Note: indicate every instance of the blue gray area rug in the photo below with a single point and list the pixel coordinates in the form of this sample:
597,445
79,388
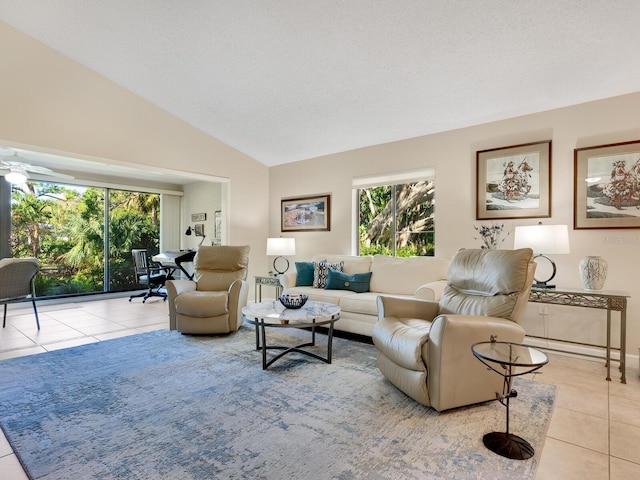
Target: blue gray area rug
161,405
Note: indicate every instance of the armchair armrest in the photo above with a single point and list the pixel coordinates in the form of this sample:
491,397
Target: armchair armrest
288,280
431,290
450,357
236,301
175,288
406,308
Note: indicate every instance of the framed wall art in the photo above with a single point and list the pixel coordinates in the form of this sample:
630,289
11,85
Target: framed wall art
606,191
514,182
303,214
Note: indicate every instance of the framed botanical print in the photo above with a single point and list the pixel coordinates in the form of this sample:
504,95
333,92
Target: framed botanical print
514,182
606,192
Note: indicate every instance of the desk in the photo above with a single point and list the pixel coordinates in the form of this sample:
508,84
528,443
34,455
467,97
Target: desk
269,281
173,261
609,300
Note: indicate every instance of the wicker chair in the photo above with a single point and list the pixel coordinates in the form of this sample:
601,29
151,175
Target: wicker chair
16,282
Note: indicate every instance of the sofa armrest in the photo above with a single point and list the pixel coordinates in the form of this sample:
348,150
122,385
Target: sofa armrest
431,290
456,377
288,280
406,308
175,288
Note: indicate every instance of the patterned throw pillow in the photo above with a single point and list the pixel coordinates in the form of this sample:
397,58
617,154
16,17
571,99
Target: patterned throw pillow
321,272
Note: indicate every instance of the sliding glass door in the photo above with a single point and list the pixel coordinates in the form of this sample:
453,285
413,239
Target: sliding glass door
134,222
83,236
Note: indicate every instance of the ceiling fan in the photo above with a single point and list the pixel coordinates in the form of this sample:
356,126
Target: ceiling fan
16,168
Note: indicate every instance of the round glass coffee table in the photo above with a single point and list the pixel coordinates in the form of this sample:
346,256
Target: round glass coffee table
509,360
274,315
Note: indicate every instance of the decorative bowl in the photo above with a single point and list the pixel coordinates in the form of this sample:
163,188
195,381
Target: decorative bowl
293,300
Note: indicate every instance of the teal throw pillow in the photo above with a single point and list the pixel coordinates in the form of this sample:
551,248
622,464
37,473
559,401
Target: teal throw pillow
304,274
357,282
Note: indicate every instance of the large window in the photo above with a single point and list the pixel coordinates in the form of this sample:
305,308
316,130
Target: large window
82,236
396,218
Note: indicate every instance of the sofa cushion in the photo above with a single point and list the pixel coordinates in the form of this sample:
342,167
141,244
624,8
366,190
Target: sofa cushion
363,303
356,282
304,274
351,263
321,272
322,295
403,276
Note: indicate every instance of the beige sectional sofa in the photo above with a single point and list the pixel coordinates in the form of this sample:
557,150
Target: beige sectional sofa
414,277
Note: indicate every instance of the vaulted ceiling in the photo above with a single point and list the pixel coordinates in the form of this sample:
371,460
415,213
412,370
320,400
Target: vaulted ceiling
287,80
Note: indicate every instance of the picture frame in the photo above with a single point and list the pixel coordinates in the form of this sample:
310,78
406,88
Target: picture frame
198,217
514,181
306,214
199,229
606,190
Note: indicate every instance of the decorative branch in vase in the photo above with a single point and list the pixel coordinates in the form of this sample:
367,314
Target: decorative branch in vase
491,235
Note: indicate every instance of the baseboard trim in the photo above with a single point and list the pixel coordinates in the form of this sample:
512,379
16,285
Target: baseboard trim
580,351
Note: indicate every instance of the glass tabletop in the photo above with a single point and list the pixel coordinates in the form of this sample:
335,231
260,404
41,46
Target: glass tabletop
513,354
274,313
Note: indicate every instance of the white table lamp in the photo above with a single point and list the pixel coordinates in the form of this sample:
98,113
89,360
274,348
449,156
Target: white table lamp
543,240
279,247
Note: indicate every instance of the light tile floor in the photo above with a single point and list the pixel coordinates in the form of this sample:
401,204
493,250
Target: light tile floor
594,432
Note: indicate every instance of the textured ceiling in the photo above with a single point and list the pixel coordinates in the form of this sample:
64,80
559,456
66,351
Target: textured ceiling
283,81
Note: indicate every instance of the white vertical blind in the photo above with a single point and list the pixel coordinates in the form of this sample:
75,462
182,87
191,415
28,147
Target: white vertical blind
170,233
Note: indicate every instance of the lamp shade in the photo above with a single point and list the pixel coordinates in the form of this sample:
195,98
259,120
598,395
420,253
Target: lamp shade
281,246
543,239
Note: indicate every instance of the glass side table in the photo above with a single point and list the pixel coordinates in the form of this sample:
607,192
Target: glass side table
509,360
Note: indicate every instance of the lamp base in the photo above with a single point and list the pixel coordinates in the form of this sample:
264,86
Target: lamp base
508,445
545,283
280,272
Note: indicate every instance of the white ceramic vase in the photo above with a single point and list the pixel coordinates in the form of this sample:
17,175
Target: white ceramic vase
593,272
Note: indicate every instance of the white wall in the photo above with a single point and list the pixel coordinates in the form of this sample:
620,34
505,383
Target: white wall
453,154
200,197
50,103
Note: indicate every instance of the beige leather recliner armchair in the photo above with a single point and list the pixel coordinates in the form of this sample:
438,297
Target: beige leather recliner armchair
424,347
213,302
